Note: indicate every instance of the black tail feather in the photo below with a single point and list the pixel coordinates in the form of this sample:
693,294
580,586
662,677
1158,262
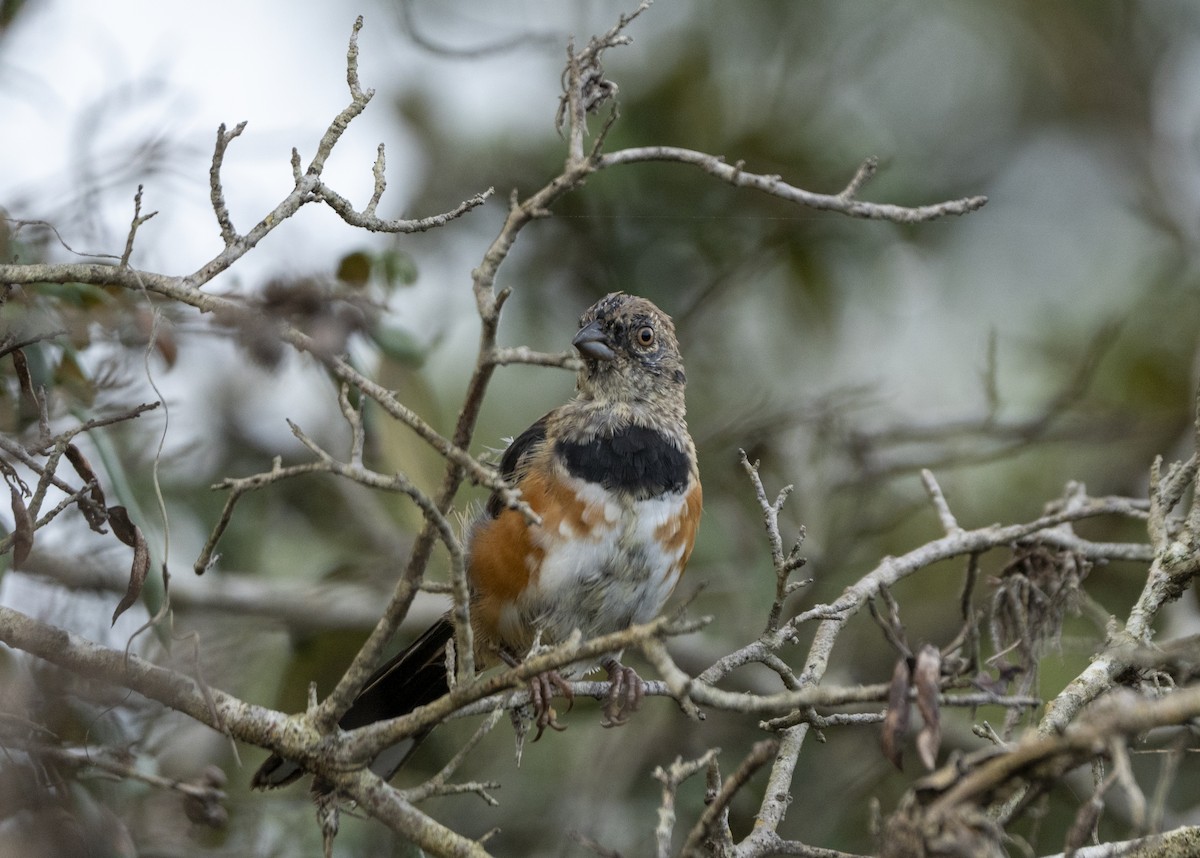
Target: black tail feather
412,678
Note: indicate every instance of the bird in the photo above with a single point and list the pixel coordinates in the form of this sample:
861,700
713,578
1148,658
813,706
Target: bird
613,478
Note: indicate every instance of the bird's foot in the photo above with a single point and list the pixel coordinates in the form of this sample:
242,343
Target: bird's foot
625,693
542,689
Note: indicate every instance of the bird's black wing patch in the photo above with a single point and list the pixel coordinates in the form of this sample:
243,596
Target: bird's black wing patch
641,461
511,461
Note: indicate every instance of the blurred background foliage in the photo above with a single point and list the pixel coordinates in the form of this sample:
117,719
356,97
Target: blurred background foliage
1050,337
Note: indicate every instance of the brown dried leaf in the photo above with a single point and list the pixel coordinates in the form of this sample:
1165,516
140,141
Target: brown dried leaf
895,721
137,572
148,325
926,674
84,468
122,527
21,365
22,528
167,347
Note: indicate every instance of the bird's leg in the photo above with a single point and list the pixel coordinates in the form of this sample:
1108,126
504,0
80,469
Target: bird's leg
625,693
542,689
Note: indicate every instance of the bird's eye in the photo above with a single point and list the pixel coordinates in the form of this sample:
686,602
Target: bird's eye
645,336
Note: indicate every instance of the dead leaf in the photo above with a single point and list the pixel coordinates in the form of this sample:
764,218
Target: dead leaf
167,348
926,674
122,527
895,721
21,365
129,533
22,529
83,468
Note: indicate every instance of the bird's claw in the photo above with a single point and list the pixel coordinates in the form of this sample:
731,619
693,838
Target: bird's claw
625,693
541,691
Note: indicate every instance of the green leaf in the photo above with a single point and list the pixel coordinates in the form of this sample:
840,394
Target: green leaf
398,268
355,269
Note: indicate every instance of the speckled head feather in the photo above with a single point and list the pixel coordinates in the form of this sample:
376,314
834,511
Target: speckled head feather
630,354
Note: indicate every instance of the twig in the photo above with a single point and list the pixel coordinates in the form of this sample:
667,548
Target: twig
437,785
216,192
864,173
670,778
776,187
1170,572
1039,756
21,223
1184,840
759,755
835,614
526,355
339,700
239,487
379,173
243,721
207,791
784,565
300,607
949,522
138,220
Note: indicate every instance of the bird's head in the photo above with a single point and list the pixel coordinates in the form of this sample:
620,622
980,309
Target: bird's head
630,353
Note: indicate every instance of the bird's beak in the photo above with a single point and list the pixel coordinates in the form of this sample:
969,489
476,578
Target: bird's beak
592,343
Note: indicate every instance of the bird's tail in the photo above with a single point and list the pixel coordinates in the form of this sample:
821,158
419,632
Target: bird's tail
409,679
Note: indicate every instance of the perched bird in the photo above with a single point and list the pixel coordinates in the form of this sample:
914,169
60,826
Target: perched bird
612,475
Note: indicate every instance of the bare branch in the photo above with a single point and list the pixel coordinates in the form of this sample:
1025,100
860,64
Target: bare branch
670,778
218,710
302,608
1040,759
1184,840
216,192
138,220
437,785
776,187
368,221
949,522
336,704
379,173
785,565
239,487
526,355
204,795
759,755
866,171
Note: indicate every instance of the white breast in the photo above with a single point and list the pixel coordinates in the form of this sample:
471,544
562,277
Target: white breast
616,574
